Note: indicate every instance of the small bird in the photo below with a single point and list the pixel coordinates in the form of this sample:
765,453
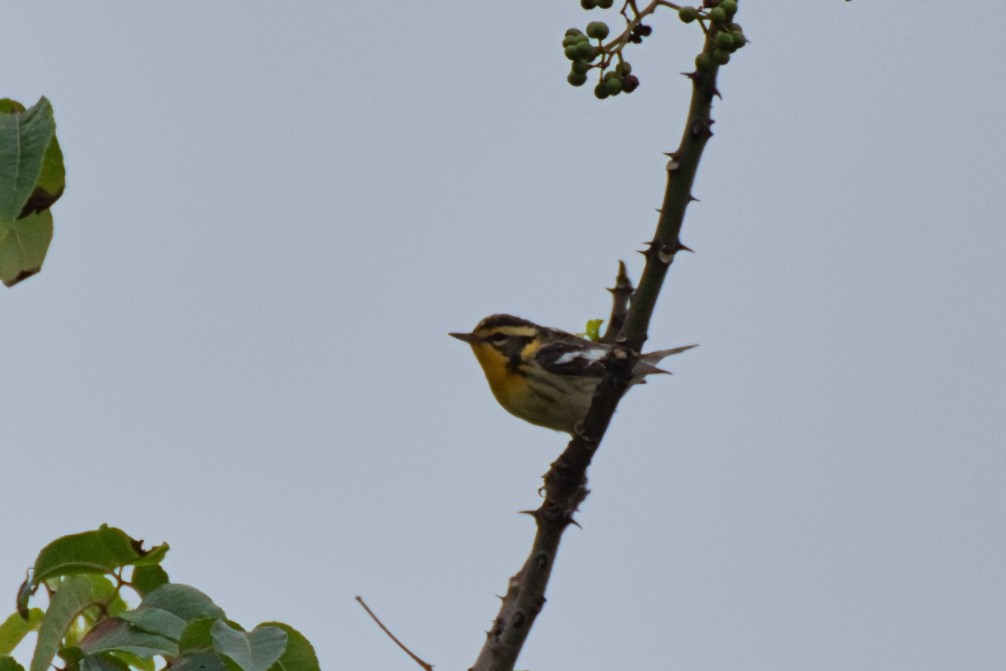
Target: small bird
543,375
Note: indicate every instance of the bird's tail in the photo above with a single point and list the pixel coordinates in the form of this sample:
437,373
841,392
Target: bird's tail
648,362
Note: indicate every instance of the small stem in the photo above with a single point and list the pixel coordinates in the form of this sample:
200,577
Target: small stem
418,660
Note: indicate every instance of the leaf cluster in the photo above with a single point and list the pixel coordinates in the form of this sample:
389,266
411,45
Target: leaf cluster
32,178
89,625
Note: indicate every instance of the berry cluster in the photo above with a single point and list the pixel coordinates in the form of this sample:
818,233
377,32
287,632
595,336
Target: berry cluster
615,81
639,31
586,49
578,49
726,37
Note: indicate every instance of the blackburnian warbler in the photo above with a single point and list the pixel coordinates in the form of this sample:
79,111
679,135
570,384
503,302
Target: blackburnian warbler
542,375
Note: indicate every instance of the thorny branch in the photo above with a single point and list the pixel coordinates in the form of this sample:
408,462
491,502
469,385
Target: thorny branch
566,481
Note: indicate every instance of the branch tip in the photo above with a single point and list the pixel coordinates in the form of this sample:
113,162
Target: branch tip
425,665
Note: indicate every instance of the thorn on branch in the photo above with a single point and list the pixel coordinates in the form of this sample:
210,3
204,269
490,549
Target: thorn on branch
702,128
621,294
665,252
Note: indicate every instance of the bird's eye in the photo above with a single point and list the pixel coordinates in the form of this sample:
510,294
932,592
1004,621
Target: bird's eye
497,337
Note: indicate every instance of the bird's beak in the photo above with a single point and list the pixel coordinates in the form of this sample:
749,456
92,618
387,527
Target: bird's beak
466,337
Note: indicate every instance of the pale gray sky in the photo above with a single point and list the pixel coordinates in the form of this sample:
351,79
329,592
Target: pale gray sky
276,211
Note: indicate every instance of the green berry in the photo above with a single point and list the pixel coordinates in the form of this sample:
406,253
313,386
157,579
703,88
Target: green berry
588,4
729,6
580,67
613,86
724,41
584,51
577,78
717,15
739,40
597,29
688,14
610,74
605,4
720,56
704,62
601,92
624,68
572,52
573,32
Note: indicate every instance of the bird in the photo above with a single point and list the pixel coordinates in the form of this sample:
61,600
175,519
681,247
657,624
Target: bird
543,375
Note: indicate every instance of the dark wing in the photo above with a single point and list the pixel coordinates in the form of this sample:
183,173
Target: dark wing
572,356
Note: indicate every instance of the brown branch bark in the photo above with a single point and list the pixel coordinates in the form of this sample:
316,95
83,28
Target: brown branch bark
566,481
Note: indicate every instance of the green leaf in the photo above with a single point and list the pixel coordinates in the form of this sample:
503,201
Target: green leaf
117,635
24,139
153,556
252,651
102,662
15,628
299,654
186,602
155,621
74,594
197,635
99,551
23,245
24,593
51,181
32,178
198,661
146,579
134,661
71,656
9,664
8,106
